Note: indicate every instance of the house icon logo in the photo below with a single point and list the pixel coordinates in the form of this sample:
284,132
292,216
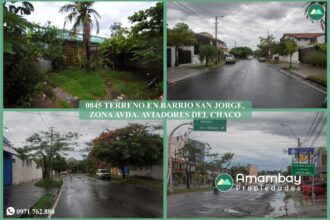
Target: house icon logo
224,182
315,12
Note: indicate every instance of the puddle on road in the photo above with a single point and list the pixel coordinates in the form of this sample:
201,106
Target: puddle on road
231,211
281,207
277,205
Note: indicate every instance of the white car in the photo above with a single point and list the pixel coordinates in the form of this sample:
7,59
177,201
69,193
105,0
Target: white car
103,174
229,58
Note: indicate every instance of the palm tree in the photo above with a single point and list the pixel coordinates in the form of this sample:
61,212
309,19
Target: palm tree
82,14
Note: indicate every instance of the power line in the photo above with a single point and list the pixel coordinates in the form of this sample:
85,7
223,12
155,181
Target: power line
43,120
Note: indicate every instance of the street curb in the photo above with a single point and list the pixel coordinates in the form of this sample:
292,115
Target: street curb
189,77
57,197
186,78
295,75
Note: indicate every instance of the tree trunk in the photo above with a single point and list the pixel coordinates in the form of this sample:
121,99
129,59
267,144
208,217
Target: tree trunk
290,61
123,172
176,55
86,36
187,179
206,61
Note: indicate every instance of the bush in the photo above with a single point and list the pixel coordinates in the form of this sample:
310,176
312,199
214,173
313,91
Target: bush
49,183
316,58
23,80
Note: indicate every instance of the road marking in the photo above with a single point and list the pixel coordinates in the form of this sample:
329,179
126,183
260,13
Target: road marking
56,202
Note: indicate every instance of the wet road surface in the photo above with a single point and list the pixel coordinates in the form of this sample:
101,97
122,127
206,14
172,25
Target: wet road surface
225,204
264,85
87,197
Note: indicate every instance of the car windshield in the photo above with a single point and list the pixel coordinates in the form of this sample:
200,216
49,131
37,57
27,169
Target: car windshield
103,171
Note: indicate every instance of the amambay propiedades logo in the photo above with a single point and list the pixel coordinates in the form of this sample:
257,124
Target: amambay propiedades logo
224,182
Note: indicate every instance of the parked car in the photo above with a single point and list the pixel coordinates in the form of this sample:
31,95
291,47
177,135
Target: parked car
229,58
103,174
319,189
262,59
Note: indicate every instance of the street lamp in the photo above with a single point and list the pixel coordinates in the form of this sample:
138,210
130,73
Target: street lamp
292,132
295,136
169,156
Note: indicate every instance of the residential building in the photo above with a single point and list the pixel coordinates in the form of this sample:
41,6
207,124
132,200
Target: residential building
17,170
189,54
207,38
320,161
305,42
252,170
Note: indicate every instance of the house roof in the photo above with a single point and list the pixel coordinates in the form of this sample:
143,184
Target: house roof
67,35
303,35
205,35
7,147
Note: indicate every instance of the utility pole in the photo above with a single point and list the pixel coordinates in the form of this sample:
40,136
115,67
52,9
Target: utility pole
51,154
268,45
235,44
216,30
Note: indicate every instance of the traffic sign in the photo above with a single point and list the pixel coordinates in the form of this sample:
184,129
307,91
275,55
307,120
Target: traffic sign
210,125
300,150
299,169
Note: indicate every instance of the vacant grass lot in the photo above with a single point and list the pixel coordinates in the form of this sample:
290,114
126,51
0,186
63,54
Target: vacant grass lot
131,85
92,85
79,82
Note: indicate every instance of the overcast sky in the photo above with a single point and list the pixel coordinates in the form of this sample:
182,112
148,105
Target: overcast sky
21,125
242,22
258,141
110,12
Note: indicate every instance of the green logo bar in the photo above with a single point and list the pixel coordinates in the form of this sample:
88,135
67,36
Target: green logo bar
224,182
315,12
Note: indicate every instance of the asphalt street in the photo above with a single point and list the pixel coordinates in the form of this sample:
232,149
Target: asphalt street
264,85
87,197
225,204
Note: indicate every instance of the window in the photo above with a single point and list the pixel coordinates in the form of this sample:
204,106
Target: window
14,161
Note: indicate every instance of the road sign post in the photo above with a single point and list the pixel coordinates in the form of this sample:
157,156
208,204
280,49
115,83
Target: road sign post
210,125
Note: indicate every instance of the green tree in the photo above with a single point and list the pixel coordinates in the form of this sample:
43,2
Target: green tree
234,170
46,145
180,35
190,154
241,52
207,53
146,38
132,145
82,14
59,163
287,47
267,46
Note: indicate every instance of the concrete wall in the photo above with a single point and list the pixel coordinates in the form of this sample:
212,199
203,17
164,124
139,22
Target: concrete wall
25,170
155,172
194,58
295,58
321,39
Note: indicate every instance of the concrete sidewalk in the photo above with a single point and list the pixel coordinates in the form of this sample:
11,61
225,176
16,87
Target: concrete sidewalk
303,70
179,73
23,196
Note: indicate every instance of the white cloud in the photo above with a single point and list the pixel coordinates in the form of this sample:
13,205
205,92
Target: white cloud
110,12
